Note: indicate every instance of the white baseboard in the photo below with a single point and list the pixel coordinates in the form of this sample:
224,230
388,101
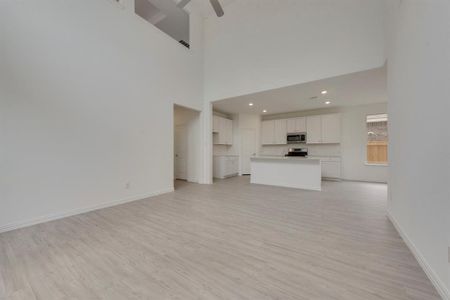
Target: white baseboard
435,280
52,217
363,181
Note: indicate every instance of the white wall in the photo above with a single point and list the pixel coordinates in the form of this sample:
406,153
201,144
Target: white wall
264,44
352,148
419,93
354,144
87,104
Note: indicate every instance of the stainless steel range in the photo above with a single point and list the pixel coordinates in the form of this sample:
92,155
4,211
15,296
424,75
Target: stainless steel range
297,152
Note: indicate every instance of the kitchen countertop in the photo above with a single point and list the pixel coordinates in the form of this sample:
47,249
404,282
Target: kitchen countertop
284,158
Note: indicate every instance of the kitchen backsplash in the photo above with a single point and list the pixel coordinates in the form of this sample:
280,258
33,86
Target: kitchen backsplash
314,150
280,150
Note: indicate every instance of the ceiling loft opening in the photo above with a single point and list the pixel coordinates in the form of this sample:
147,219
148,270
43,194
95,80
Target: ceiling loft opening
166,16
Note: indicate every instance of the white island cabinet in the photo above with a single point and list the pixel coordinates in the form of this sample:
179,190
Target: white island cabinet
294,172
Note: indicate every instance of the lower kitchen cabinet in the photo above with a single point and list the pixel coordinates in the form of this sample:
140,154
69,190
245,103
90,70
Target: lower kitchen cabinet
225,166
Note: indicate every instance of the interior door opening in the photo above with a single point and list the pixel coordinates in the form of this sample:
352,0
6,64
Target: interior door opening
186,144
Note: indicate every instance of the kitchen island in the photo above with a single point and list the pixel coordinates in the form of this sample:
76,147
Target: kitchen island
295,172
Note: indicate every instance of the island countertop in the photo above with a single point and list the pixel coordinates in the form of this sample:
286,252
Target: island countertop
285,158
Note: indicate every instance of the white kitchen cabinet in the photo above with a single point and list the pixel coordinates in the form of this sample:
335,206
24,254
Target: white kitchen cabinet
223,131
227,130
320,129
314,129
280,130
291,125
268,132
323,129
331,128
296,125
273,132
216,124
225,166
300,124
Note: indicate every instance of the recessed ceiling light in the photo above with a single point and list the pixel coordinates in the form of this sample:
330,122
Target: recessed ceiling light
264,111
328,102
324,92
250,104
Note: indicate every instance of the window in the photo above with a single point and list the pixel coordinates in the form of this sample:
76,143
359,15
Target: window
377,139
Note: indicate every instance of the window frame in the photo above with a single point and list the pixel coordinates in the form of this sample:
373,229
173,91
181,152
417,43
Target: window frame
370,163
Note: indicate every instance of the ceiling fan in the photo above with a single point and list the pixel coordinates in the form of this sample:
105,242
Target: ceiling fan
214,3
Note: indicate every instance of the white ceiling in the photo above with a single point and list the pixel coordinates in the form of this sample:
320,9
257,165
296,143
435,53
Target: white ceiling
347,90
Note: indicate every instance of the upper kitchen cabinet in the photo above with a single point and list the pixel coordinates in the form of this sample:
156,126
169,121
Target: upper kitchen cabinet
268,132
228,129
216,123
323,129
273,132
320,129
280,132
314,129
222,130
296,125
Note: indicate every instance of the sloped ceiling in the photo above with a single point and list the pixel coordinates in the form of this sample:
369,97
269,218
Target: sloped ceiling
353,89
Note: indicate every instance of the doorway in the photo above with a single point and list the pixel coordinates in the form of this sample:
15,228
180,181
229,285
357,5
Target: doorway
248,149
186,144
180,152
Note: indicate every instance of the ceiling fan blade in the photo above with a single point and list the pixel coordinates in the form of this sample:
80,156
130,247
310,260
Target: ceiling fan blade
217,7
183,3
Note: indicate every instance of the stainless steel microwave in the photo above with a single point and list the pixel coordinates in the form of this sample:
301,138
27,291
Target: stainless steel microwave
296,138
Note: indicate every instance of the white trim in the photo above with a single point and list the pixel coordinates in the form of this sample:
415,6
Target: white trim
52,217
363,181
376,164
435,280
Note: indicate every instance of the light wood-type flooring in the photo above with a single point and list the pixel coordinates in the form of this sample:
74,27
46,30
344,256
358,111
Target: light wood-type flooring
230,240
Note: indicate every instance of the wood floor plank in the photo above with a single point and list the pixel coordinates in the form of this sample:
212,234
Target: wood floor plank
230,240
